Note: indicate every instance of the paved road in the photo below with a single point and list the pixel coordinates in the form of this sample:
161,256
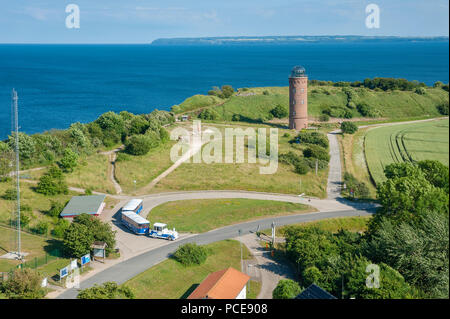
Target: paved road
132,267
334,185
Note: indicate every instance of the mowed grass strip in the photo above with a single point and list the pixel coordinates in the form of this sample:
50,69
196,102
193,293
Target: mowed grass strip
199,216
172,280
406,142
352,224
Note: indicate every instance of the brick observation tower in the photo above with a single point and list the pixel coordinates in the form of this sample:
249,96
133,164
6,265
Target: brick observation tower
298,98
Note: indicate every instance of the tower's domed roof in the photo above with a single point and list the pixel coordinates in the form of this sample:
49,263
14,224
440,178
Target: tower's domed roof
298,72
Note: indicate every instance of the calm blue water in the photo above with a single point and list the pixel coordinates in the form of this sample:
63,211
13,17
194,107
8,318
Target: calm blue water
62,84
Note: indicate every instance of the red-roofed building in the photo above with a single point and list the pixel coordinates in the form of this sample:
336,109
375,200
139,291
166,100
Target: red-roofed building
223,284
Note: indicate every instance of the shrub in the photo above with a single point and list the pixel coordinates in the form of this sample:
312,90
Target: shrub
265,92
41,228
69,160
359,189
279,112
324,118
208,114
316,151
286,289
55,209
443,108
227,91
108,290
60,228
236,117
420,91
314,138
191,254
301,168
351,105
286,135
348,127
52,182
289,158
10,194
24,284
138,145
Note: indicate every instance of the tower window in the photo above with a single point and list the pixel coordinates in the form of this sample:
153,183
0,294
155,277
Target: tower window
302,90
303,101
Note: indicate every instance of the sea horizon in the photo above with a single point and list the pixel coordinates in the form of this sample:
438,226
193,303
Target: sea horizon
59,84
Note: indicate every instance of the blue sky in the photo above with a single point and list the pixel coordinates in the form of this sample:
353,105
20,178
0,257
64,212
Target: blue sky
141,21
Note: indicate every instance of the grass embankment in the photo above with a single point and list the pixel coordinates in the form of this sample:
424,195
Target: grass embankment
35,246
353,158
246,176
406,143
353,224
172,280
199,216
142,169
91,173
392,105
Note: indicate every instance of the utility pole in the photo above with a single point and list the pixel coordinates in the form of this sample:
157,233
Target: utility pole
16,126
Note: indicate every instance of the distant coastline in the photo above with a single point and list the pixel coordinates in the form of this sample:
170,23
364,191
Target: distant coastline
291,39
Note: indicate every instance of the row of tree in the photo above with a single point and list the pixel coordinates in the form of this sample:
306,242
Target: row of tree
407,241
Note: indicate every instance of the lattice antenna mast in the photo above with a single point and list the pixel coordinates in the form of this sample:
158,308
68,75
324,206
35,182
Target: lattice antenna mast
16,130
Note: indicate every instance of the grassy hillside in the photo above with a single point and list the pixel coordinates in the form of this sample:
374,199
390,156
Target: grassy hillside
257,103
406,142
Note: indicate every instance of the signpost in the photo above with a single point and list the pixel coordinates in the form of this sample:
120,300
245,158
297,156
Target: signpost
85,259
73,264
63,272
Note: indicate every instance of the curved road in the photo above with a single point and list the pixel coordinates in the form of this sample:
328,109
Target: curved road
132,267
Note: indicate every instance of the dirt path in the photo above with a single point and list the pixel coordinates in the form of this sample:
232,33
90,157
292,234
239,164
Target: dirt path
334,184
112,155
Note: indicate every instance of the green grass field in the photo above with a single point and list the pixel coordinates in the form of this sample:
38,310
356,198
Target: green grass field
406,143
143,169
246,176
171,280
199,216
390,104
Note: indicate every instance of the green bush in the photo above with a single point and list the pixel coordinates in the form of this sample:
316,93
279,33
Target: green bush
138,145
236,117
60,228
52,182
316,151
324,118
420,91
315,138
360,189
41,228
227,91
286,289
10,194
23,284
55,209
108,290
69,160
348,128
301,168
208,114
443,108
191,254
279,112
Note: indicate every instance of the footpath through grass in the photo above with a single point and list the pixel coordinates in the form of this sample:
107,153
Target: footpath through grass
172,280
406,143
197,216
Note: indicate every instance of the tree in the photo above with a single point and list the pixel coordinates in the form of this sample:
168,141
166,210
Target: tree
10,194
208,114
27,145
443,108
108,290
41,228
191,254
78,239
24,284
286,289
69,160
348,127
279,111
101,231
420,251
138,125
227,91
316,151
436,173
138,145
52,182
60,228
311,275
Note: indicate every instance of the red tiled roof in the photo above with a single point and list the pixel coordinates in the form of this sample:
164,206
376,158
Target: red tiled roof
222,284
